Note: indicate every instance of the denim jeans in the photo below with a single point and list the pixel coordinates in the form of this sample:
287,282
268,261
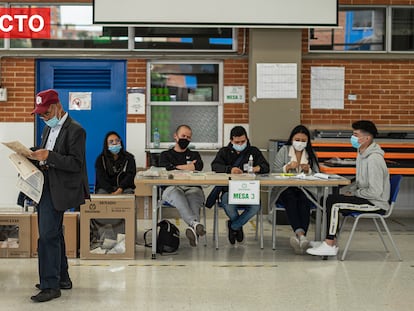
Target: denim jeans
232,211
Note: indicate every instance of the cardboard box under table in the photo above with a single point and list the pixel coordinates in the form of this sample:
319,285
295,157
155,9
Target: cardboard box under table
70,231
15,235
107,227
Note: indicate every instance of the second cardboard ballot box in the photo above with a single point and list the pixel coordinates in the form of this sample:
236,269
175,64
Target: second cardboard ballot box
70,231
107,227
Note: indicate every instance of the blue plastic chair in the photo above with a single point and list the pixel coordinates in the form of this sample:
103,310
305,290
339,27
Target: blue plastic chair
395,181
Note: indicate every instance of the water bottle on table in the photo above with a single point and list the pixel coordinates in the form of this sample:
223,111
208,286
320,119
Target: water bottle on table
156,138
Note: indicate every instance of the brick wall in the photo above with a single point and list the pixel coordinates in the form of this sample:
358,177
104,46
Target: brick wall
236,73
18,76
136,77
384,89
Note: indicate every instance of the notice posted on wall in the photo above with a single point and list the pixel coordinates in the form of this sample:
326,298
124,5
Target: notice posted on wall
80,100
136,100
277,80
327,87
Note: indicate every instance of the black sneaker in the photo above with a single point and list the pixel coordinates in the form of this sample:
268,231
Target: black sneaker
232,236
239,235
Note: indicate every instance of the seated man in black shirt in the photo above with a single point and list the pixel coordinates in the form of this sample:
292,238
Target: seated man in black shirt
186,199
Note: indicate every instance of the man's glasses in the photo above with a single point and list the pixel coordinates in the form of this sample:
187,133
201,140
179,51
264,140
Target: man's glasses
114,141
46,114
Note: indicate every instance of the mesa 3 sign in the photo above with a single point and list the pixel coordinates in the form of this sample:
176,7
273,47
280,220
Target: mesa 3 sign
244,192
25,23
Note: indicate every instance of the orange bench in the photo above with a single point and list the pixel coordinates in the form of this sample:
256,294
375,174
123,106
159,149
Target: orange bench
399,156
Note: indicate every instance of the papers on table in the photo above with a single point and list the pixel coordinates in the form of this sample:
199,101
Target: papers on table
327,176
317,176
153,172
30,178
190,175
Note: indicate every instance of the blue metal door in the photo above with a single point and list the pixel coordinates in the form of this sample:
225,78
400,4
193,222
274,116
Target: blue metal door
106,82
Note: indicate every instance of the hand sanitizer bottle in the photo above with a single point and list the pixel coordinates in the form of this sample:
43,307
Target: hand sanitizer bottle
250,165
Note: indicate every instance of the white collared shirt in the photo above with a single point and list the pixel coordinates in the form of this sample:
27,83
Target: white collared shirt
54,133
303,160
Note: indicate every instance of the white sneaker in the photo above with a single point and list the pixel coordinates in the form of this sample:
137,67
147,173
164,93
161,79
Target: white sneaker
294,242
303,243
191,236
323,250
314,243
199,228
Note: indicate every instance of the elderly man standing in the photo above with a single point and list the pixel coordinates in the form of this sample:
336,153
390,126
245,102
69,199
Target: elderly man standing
61,157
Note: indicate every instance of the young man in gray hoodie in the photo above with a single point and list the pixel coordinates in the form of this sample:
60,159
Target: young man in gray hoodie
368,194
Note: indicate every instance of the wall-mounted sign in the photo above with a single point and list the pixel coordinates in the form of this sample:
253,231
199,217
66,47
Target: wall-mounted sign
245,192
80,100
136,100
234,94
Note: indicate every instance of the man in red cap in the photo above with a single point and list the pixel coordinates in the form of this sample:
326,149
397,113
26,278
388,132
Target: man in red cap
62,159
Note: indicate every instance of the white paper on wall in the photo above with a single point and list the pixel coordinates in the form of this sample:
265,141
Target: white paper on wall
327,87
277,80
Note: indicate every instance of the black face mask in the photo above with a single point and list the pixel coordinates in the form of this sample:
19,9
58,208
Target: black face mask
183,143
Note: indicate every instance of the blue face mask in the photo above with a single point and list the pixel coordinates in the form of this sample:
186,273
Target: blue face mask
240,148
52,122
354,142
115,148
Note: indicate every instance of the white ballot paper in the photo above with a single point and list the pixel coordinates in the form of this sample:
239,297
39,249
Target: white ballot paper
30,178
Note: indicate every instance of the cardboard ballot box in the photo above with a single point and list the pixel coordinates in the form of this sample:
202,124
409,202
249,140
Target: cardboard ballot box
70,231
107,227
14,235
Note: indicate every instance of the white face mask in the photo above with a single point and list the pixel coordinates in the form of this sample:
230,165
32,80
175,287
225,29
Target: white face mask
299,145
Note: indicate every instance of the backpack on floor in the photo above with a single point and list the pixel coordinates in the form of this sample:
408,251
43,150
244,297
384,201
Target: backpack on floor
168,237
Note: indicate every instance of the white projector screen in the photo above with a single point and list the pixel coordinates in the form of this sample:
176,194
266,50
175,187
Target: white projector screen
223,13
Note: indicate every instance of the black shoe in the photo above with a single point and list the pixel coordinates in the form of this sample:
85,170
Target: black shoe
232,236
239,235
63,284
46,295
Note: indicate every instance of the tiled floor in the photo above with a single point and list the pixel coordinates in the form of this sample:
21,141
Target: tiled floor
241,277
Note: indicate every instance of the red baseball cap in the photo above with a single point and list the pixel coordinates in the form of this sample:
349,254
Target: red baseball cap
44,99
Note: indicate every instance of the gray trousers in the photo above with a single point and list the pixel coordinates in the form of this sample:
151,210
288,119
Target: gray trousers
187,200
